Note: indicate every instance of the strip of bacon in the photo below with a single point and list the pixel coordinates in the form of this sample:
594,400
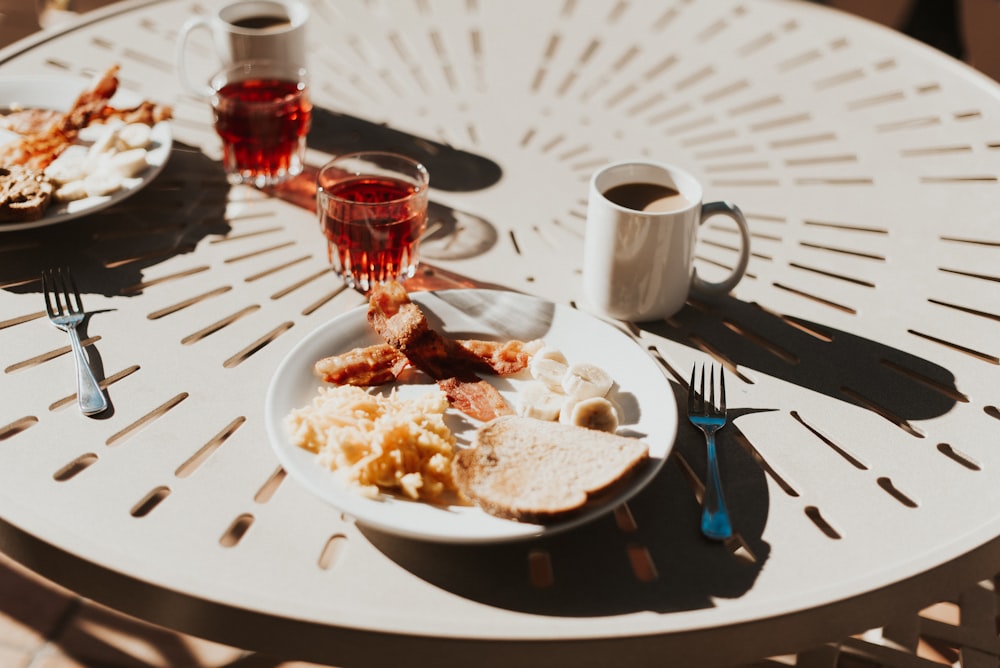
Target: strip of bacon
403,326
475,397
503,357
364,367
146,112
381,363
36,151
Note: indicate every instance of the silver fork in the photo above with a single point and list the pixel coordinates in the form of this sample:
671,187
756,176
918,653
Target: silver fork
65,309
711,417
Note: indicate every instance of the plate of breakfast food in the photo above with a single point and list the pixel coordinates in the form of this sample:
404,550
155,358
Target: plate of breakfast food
71,146
470,416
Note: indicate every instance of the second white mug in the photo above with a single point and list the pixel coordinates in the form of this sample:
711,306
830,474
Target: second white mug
247,30
642,225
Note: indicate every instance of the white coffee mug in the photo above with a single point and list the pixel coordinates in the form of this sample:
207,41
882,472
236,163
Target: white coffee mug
642,225
247,30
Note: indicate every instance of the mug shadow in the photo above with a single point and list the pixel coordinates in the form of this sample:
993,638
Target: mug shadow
897,385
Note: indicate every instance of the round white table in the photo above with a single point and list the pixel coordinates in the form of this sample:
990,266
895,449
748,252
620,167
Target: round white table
861,348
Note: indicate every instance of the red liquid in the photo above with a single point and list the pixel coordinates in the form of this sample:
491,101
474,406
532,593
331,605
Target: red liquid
263,124
373,235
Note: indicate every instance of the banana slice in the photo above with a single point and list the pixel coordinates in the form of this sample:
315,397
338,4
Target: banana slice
550,353
72,191
583,381
68,167
593,413
107,141
538,401
547,368
129,163
101,182
135,135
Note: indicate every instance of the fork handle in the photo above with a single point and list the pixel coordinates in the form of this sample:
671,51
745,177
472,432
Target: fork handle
715,522
88,392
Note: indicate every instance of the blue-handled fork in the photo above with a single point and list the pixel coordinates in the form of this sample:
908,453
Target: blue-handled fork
711,417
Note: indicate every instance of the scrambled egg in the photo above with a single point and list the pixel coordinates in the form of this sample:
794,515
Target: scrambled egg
379,442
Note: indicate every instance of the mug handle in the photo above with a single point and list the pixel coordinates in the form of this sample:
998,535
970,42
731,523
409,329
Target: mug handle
729,209
201,90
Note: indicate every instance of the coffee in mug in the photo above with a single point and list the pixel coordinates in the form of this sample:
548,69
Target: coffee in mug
263,22
653,197
642,225
272,30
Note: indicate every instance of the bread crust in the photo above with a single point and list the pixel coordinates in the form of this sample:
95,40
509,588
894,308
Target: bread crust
25,195
533,470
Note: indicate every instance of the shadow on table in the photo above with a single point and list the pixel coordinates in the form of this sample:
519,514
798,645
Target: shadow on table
593,567
451,169
451,234
895,384
653,559
108,250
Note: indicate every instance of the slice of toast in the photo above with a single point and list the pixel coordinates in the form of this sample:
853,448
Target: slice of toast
533,470
24,194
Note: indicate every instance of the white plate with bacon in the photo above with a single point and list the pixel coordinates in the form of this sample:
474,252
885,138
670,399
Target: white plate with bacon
28,104
641,390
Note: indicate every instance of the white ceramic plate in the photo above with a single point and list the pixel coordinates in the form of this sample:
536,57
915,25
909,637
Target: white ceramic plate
59,93
642,390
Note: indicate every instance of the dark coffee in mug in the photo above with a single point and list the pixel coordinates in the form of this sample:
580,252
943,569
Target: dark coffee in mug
648,197
262,22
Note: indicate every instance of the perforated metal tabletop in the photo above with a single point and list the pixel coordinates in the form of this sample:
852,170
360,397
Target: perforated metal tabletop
861,347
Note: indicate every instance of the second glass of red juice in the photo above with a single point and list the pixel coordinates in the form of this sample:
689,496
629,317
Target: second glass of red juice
372,208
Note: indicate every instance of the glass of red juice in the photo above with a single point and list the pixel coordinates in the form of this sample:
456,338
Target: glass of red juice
262,114
372,209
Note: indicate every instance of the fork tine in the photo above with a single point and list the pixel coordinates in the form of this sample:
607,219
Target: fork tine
57,299
64,289
711,391
691,399
60,292
70,282
722,390
47,292
701,393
